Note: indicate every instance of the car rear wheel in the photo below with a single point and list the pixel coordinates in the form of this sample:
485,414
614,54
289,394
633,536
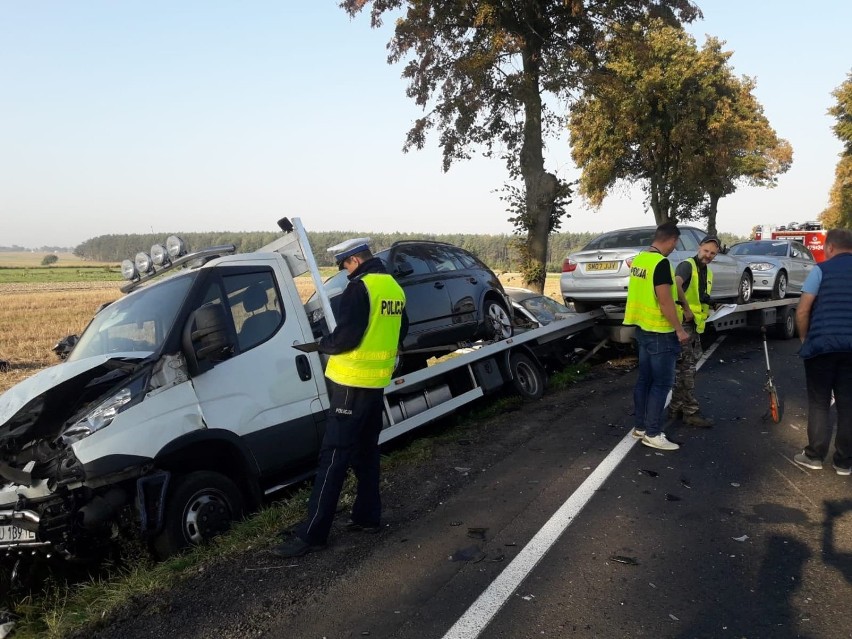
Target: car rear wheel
498,324
779,289
199,506
745,288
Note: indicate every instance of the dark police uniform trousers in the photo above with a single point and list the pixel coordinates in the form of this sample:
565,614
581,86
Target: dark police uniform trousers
351,438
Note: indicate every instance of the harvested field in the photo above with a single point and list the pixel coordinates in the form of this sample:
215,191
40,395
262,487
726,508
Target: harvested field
33,317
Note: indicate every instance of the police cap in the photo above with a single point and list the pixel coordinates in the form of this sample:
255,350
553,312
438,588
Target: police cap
348,248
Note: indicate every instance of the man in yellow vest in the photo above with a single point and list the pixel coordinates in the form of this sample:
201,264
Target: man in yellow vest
695,279
371,323
651,295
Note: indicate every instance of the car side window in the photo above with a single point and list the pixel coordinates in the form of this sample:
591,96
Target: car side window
442,259
688,241
252,302
466,260
408,255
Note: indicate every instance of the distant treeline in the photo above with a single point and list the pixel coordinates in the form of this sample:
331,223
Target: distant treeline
43,249
500,252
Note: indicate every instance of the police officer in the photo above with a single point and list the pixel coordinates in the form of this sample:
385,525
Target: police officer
695,279
651,295
362,349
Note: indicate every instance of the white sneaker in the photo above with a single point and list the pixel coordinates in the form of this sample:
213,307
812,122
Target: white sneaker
638,433
660,441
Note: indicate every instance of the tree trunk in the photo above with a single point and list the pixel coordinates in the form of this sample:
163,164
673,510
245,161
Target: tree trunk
541,186
711,214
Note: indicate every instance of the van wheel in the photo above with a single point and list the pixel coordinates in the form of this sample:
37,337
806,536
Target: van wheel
199,506
779,289
498,324
527,377
745,288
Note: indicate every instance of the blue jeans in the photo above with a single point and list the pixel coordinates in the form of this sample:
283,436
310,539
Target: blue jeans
658,354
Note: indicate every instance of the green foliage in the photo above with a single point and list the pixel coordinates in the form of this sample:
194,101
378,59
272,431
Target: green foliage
569,375
839,211
39,275
662,112
47,260
479,70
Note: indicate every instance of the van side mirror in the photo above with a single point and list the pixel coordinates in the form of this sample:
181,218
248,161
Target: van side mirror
205,338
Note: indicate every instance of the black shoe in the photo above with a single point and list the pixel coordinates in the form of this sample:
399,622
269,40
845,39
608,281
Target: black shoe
351,526
295,547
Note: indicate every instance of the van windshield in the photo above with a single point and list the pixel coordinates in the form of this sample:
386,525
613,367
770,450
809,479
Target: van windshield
137,323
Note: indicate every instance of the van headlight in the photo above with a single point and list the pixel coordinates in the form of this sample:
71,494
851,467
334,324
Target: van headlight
103,414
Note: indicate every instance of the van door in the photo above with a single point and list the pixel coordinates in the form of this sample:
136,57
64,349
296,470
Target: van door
267,391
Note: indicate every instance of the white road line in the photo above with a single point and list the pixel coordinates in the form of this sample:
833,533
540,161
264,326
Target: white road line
471,624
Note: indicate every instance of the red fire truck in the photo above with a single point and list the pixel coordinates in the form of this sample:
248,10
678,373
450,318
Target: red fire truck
811,234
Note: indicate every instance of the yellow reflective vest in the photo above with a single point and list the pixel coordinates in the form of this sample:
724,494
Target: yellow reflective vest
643,307
371,363
701,311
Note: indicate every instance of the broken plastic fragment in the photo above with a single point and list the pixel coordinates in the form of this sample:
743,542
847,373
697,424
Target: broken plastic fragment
685,482
476,532
735,484
743,538
462,470
630,561
670,497
650,473
471,553
673,617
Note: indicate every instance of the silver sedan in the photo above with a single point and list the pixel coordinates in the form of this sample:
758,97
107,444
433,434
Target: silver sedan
779,267
598,274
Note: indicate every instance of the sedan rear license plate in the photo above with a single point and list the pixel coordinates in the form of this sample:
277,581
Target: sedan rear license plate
602,266
14,534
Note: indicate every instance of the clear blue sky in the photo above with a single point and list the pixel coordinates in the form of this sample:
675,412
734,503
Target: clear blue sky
132,117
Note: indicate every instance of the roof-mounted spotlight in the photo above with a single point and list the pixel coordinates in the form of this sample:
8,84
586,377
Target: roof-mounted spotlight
143,262
175,247
128,270
160,255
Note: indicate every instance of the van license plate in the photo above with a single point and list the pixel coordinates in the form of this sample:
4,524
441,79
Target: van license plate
13,533
602,266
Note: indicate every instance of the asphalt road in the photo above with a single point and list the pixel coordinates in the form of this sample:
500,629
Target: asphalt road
724,538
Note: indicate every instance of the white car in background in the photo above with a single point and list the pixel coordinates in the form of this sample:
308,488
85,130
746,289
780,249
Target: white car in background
598,274
779,266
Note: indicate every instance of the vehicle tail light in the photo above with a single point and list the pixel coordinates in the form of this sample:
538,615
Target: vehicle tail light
568,265
629,261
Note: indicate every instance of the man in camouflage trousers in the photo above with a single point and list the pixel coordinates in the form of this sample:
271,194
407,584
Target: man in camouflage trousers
695,281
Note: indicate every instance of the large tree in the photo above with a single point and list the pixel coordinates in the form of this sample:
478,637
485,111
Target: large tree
741,147
839,211
674,118
480,70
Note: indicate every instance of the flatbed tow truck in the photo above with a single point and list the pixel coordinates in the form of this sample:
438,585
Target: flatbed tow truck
186,401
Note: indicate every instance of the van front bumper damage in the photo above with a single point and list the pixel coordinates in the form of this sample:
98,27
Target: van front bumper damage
72,515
